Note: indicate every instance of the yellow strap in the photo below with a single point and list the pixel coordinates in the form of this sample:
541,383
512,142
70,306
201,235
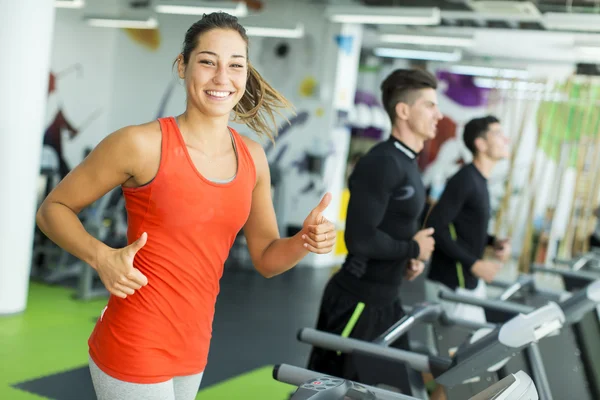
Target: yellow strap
352,321
459,268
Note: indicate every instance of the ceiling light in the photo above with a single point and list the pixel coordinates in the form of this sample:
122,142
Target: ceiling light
182,8
589,50
572,21
428,40
105,22
504,8
418,54
68,3
488,83
384,15
491,72
290,33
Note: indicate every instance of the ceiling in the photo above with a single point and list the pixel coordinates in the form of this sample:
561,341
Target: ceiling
503,14
505,29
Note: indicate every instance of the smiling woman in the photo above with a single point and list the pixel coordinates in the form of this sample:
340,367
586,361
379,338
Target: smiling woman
201,45
191,183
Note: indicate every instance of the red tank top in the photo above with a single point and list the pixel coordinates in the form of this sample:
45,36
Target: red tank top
164,329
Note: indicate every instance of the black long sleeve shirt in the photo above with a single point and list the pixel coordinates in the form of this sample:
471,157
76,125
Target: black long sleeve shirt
465,204
387,198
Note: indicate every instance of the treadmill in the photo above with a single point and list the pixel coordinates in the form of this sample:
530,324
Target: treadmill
587,329
486,352
315,386
568,367
448,334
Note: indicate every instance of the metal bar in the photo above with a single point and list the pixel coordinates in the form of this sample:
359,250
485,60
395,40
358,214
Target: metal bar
423,312
522,282
581,302
397,330
334,342
464,323
584,275
500,284
539,371
504,306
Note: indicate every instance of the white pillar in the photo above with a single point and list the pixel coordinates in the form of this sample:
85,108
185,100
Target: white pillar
26,28
339,88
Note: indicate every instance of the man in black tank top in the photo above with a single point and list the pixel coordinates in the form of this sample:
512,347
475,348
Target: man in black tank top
460,219
382,233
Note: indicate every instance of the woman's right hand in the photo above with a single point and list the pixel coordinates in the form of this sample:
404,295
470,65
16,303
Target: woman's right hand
116,269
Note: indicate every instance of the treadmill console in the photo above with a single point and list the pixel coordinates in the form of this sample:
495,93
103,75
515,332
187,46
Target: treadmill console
517,386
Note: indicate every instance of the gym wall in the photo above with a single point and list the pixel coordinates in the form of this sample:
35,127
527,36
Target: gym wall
125,77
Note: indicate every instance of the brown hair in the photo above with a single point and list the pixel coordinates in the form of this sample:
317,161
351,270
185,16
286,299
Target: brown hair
260,101
400,87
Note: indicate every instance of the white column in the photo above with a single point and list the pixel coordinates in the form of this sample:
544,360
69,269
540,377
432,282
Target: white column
26,28
338,89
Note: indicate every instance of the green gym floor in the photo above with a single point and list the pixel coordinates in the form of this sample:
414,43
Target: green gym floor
44,349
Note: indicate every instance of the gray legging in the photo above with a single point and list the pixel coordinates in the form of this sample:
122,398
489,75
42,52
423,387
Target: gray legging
178,388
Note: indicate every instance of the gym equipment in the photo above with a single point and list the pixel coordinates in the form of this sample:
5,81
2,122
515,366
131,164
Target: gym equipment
589,259
587,329
312,385
448,334
574,307
106,220
562,347
424,313
487,352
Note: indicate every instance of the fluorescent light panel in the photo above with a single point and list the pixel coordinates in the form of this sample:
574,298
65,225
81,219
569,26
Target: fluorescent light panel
589,50
68,3
572,21
104,22
235,9
294,33
490,72
418,54
384,15
427,40
488,83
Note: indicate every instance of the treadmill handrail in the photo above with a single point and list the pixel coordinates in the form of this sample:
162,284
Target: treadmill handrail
422,312
330,341
523,281
583,275
446,320
504,306
574,307
576,263
581,302
555,295
489,352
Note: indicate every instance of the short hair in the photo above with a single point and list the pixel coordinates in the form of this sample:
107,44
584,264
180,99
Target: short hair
401,85
475,128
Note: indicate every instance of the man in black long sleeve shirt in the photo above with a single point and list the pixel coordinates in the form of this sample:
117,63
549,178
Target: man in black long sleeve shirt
382,234
460,218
